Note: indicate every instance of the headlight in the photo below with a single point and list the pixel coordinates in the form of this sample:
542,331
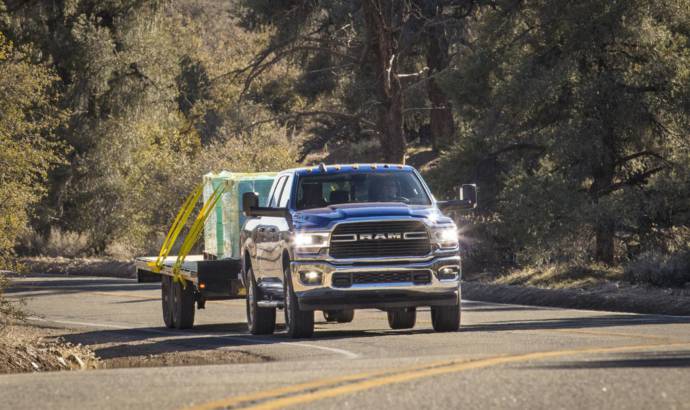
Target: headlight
310,240
447,237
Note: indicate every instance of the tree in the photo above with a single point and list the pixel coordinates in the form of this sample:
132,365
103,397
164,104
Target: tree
359,62
28,117
578,110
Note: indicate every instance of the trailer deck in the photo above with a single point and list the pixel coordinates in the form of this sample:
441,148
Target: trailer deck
214,279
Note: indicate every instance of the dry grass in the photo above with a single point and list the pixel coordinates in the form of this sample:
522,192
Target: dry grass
29,349
562,276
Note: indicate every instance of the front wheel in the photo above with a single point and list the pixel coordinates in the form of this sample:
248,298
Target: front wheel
260,321
402,318
446,318
298,323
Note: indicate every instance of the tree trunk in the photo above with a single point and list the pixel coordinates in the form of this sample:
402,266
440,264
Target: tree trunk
379,15
604,251
605,228
441,117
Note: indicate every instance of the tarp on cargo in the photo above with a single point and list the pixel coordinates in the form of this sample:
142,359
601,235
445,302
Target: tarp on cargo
222,229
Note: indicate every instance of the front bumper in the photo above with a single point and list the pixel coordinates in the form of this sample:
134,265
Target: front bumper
441,290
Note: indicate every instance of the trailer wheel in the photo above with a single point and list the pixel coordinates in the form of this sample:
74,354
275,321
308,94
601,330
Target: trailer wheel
340,316
166,299
446,318
261,321
404,318
298,323
183,305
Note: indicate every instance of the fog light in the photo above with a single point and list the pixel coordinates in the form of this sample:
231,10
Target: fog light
310,277
202,285
448,272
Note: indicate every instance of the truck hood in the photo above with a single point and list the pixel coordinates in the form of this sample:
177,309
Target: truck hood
326,217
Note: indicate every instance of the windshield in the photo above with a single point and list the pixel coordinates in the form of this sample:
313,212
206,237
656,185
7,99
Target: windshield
317,191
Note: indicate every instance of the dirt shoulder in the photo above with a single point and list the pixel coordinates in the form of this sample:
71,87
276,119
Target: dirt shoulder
31,349
592,290
28,348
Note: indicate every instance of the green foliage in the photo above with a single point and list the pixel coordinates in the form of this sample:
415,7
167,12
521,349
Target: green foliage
571,116
576,119
27,118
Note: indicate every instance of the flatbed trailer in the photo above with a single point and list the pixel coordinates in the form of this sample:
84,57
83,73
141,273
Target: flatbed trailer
203,280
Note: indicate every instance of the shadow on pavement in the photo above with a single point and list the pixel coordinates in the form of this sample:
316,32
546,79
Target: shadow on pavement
155,340
641,359
577,323
73,285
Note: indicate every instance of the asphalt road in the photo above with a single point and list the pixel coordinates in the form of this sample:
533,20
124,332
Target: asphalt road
506,356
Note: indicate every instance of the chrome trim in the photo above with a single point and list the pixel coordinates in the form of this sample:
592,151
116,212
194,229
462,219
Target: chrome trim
353,238
375,220
410,236
328,269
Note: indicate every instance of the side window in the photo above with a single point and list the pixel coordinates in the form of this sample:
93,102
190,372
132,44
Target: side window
276,192
285,195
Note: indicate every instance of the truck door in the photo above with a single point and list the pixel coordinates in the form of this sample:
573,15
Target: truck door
265,233
277,232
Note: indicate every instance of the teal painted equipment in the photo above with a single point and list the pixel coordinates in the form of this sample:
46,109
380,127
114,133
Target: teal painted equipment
222,228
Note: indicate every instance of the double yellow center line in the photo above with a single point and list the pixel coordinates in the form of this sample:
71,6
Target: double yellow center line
327,388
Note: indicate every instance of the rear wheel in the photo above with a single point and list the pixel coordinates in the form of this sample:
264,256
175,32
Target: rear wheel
404,318
166,299
298,323
183,305
260,321
446,318
340,316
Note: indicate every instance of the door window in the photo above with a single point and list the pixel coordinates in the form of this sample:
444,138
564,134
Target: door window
273,203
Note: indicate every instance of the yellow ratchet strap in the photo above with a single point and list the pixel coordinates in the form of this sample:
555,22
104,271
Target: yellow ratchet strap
195,232
180,221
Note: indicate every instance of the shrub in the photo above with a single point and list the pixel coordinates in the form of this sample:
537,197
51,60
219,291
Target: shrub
660,269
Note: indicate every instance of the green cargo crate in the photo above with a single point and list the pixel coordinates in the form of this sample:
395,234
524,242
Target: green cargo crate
222,229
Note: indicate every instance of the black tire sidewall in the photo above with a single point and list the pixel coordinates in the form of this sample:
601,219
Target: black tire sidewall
263,320
298,324
166,301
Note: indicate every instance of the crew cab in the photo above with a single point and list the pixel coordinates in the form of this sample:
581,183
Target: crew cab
343,237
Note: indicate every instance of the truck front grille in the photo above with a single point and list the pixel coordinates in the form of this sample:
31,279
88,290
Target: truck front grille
379,240
345,280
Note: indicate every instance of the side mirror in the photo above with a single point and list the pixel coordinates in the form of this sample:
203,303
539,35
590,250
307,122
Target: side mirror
249,200
468,194
467,200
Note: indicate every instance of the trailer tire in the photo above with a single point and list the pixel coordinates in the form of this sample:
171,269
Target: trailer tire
404,318
166,299
340,316
260,320
446,318
298,323
183,305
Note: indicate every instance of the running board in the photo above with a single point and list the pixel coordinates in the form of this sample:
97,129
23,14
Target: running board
270,304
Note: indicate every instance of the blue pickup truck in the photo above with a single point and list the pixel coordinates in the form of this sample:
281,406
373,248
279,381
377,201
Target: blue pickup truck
344,237
330,238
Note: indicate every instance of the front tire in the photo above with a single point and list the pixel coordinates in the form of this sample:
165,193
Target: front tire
260,321
446,318
183,305
402,318
340,316
298,323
